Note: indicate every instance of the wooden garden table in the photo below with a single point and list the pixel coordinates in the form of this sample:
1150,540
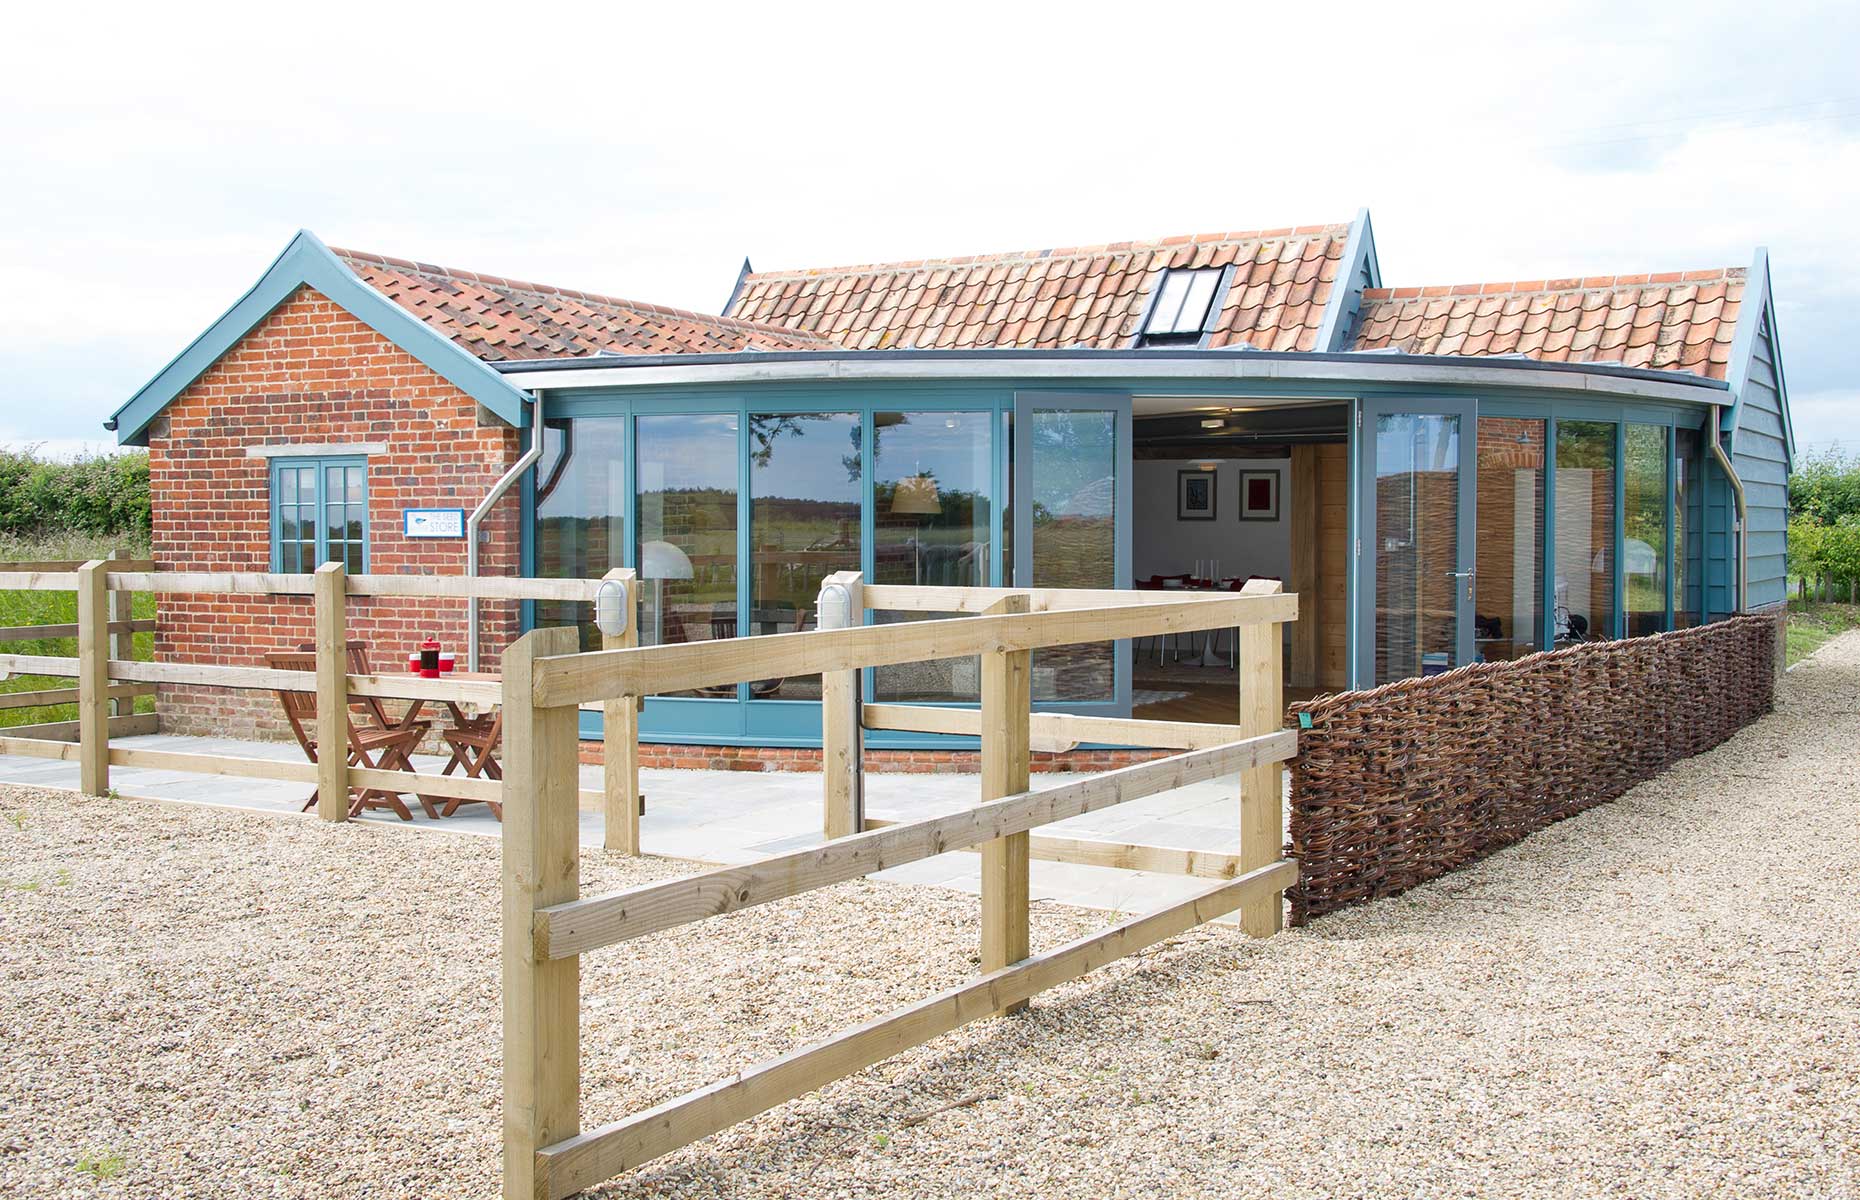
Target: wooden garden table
463,721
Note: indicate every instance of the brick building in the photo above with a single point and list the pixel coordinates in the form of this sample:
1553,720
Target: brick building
1530,463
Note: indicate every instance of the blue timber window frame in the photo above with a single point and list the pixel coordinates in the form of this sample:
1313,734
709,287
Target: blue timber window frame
779,722
307,494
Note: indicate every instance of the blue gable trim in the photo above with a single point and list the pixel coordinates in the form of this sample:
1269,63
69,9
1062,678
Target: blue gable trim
1358,270
1760,302
307,262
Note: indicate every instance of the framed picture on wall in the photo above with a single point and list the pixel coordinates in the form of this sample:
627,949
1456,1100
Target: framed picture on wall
1259,495
1194,495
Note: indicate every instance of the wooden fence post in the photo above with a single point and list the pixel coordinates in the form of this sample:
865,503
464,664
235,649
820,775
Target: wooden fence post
620,733
93,614
1262,711
123,642
1007,701
332,692
842,742
542,866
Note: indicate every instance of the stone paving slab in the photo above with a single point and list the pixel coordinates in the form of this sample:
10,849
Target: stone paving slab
738,816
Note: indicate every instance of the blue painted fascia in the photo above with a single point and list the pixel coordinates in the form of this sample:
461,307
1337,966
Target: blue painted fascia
1359,269
307,262
1760,301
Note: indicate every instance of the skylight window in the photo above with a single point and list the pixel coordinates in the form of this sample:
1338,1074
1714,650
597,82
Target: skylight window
1181,306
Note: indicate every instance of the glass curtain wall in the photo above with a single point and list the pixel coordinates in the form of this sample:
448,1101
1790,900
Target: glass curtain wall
1585,531
687,529
805,487
1644,549
930,520
580,512
1508,606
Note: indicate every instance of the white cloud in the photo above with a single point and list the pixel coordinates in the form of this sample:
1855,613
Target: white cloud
645,151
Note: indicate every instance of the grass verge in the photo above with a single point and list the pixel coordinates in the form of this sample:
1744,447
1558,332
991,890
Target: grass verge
58,608
1811,624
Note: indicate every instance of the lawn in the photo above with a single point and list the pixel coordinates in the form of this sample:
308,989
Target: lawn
56,608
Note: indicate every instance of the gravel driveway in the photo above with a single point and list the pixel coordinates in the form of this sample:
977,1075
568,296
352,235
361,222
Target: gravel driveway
1660,997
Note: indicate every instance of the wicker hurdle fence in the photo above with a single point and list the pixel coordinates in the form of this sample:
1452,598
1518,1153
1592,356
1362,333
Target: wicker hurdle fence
1403,783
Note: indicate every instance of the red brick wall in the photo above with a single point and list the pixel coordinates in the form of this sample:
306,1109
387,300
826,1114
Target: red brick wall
313,374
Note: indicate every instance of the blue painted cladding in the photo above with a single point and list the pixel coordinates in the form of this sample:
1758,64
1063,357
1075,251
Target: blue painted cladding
1760,451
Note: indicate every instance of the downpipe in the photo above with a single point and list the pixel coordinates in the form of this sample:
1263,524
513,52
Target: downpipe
478,514
1737,493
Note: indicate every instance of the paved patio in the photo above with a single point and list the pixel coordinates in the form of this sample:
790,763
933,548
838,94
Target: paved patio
737,816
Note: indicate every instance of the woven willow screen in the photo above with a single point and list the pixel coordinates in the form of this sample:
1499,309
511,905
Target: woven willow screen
1399,785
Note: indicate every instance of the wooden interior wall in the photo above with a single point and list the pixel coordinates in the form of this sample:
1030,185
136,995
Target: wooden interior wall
1302,665
1332,567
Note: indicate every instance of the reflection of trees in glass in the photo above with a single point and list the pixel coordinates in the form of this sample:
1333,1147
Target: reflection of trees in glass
765,429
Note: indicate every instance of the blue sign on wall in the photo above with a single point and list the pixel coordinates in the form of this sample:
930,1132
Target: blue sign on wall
433,522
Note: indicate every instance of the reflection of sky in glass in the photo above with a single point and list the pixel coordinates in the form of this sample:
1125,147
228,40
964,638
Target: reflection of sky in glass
1417,442
1074,461
685,451
924,444
806,456
590,483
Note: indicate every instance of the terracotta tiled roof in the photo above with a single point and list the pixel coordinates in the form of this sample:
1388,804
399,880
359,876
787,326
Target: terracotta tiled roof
1678,322
1079,297
500,319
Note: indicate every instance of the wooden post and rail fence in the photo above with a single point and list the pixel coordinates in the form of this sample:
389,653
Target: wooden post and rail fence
106,671
548,924
546,681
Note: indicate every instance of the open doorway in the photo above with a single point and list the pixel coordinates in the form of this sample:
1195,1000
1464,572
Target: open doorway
1229,490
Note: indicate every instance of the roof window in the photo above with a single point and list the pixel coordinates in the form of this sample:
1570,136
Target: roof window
1182,303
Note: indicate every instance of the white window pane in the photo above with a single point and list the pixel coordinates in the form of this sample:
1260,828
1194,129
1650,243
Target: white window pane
1168,303
354,485
287,487
1195,308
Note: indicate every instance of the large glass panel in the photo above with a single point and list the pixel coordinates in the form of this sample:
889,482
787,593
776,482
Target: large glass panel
687,529
1643,553
1686,526
1508,609
1073,464
931,519
804,488
1585,531
580,512
1417,544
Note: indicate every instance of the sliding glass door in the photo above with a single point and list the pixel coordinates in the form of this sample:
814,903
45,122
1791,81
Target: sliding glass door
1071,515
1416,573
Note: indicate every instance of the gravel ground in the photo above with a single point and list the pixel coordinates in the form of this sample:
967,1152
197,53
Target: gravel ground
1657,998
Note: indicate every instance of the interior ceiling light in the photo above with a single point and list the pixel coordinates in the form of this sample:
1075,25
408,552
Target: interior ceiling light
1213,422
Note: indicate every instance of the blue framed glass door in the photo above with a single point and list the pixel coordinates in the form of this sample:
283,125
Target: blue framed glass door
1071,513
1416,492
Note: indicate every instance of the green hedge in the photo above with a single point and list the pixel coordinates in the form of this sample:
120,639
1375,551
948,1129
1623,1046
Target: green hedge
98,495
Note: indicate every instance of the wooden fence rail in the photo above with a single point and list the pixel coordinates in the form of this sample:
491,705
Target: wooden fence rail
548,925
106,673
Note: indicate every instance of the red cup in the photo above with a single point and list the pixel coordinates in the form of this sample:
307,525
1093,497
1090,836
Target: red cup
448,661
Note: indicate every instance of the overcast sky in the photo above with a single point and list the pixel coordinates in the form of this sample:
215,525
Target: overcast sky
156,161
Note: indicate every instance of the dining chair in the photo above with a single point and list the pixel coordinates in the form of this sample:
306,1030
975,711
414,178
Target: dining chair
475,749
357,655
378,749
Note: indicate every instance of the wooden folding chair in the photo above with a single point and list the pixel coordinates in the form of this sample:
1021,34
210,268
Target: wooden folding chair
357,653
474,747
381,749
